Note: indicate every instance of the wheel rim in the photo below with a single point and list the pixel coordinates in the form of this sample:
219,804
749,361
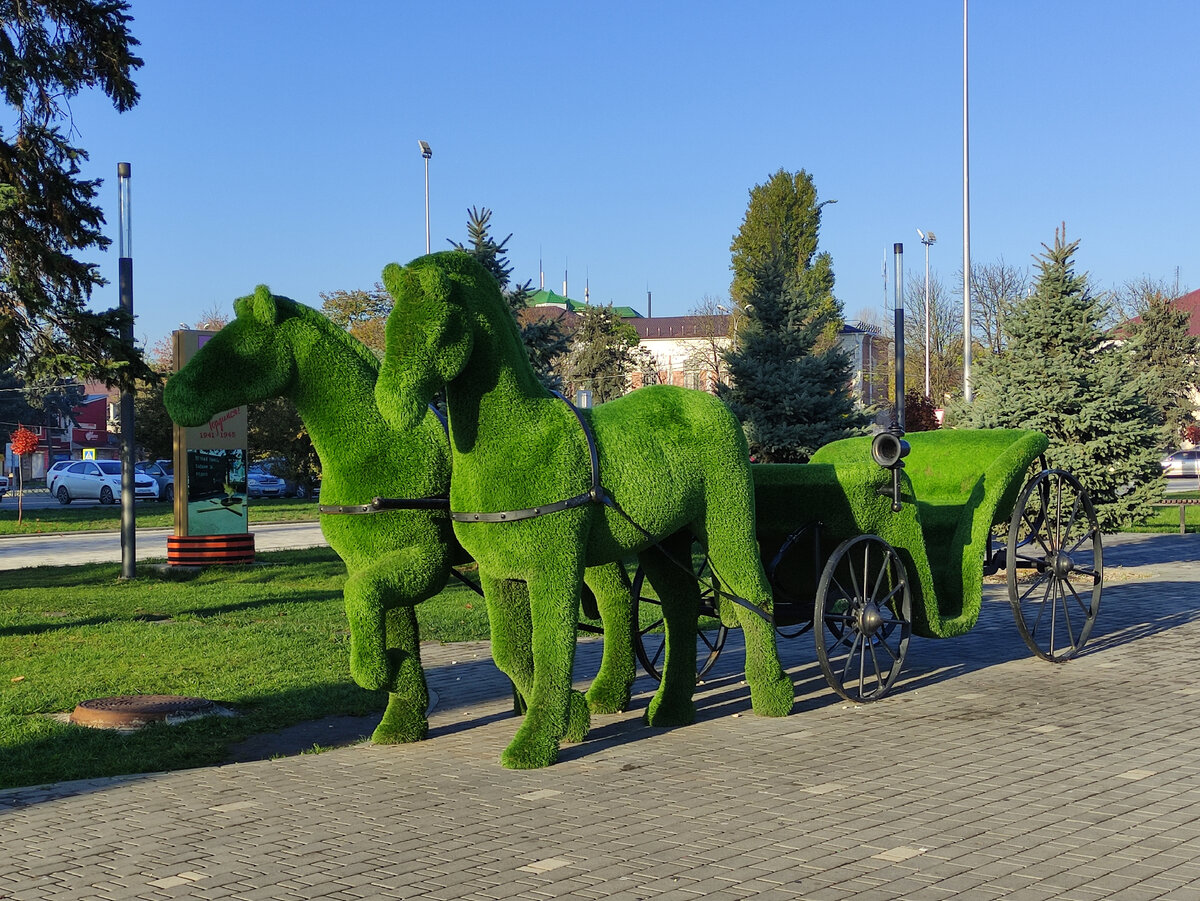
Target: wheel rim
63,495
1055,565
791,573
649,639
863,618
106,495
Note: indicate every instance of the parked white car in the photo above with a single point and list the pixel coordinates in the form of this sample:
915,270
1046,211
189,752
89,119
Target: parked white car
97,480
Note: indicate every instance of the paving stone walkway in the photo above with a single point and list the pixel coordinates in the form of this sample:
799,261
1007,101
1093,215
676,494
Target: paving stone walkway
986,774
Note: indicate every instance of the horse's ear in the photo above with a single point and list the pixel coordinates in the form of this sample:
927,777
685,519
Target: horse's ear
262,306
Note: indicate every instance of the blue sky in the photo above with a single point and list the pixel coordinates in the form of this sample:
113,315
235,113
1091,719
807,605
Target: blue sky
276,142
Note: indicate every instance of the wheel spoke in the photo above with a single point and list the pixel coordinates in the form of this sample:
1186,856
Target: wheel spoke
1042,607
1067,611
1033,585
653,627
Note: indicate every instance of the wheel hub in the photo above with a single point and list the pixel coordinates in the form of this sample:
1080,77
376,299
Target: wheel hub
870,620
1063,565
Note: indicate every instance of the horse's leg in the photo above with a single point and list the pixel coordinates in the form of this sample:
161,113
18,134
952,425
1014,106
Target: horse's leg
379,601
679,594
512,630
363,595
733,553
610,690
405,718
512,649
555,711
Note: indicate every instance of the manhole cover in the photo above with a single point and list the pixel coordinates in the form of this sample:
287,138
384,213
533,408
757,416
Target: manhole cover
133,711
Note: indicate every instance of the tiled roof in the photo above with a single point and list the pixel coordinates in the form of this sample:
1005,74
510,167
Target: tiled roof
1189,302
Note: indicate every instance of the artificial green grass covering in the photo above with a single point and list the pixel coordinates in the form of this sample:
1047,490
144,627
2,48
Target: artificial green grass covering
964,480
846,500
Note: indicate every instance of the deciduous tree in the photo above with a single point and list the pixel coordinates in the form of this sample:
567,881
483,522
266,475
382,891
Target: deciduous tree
602,355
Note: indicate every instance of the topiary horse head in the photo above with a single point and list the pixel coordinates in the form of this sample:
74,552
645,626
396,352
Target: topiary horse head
276,347
672,463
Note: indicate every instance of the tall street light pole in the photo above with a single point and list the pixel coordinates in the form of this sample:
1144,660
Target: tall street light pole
927,238
125,299
427,154
967,392
898,250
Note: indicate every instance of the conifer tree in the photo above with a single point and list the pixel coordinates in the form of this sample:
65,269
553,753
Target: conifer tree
789,380
49,52
1164,353
1061,375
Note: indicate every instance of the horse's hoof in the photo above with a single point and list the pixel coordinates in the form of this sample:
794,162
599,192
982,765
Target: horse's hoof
609,697
774,698
664,713
528,755
579,720
400,730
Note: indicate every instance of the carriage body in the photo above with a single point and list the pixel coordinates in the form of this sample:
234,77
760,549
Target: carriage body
971,502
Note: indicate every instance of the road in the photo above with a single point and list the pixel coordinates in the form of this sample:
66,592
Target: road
61,548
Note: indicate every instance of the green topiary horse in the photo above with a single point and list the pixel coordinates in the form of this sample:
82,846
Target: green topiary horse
673,460
276,347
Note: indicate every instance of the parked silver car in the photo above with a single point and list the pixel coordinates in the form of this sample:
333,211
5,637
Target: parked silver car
1182,463
97,480
162,473
260,483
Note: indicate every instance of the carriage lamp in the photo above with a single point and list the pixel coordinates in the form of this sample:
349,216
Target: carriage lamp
889,449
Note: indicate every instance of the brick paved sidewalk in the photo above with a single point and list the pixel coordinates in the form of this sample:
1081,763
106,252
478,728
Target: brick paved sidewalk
986,774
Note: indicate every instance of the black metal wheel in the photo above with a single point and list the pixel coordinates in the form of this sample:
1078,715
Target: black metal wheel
649,638
64,496
863,618
106,495
170,493
1055,565
792,574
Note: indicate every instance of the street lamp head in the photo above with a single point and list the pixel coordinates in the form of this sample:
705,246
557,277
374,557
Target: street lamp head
921,235
927,238
425,151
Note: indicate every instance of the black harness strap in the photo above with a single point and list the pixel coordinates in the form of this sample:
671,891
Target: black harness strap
380,504
594,495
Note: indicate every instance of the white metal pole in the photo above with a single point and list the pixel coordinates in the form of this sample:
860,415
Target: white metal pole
926,243
967,392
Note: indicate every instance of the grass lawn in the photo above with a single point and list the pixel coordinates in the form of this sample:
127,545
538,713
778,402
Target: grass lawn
1166,519
269,641
86,516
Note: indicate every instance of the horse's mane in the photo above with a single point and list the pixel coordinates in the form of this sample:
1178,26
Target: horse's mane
322,323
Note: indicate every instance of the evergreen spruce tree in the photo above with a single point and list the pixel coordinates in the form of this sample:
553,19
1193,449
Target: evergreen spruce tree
1165,354
544,340
1060,374
789,380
